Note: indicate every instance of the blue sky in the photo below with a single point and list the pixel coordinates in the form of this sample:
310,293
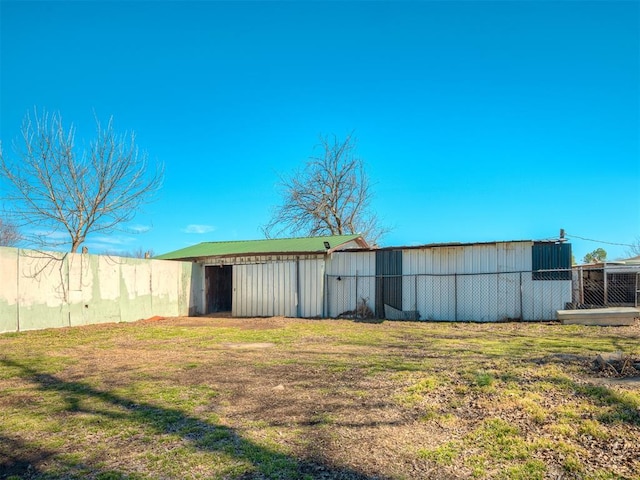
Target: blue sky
478,121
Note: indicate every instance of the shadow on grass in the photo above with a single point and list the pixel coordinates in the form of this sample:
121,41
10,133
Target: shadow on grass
621,408
20,459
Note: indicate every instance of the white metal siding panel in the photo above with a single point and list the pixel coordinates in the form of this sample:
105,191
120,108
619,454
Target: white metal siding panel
476,297
357,271
489,297
237,292
264,289
483,258
514,256
508,296
366,291
274,291
311,282
261,299
346,294
245,285
266,308
541,298
436,297
350,263
510,258
285,301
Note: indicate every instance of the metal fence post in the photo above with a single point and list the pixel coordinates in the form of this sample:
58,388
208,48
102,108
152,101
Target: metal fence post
415,294
356,294
455,292
325,302
521,305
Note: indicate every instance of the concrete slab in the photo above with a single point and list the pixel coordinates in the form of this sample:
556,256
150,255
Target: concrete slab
614,316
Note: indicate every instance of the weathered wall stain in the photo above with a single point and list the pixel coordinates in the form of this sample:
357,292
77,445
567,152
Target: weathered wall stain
41,289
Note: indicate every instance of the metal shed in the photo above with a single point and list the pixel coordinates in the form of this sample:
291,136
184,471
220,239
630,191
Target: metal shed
492,281
272,277
341,276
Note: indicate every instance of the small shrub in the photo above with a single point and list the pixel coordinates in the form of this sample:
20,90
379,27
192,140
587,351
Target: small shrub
593,429
445,454
483,379
572,464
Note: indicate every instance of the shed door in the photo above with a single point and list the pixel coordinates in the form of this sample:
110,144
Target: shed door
218,281
265,290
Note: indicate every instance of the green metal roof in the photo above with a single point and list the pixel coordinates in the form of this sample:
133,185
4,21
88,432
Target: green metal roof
251,247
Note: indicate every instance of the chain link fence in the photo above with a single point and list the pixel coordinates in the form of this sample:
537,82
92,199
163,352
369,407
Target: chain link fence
608,286
482,297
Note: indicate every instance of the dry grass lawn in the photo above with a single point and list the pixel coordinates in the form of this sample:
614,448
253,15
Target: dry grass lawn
328,399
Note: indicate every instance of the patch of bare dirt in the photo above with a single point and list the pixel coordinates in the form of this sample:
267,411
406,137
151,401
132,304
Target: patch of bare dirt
217,320
248,346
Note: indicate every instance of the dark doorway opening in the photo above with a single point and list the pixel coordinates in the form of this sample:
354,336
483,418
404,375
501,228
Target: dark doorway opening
219,281
388,280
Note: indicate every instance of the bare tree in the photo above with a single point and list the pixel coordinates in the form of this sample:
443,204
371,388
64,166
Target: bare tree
9,234
140,253
634,248
137,253
61,190
331,195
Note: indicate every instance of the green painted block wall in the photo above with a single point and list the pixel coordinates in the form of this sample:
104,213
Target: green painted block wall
51,289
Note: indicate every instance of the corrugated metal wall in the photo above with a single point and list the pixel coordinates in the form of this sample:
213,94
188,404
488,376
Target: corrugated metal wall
290,288
481,258
311,287
484,282
551,256
388,280
350,281
541,298
442,290
264,289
